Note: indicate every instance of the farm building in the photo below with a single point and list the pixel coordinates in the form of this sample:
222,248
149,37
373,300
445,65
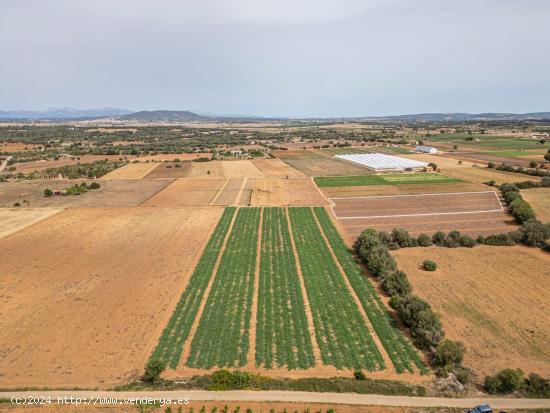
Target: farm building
382,163
425,149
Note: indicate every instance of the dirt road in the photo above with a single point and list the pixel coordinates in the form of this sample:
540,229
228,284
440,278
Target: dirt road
289,396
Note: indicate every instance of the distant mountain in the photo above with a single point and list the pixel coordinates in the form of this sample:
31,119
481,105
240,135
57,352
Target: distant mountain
63,113
460,117
163,116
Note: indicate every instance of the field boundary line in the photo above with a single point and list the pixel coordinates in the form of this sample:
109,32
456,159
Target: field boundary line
412,195
381,349
307,306
329,202
251,356
213,201
191,335
158,192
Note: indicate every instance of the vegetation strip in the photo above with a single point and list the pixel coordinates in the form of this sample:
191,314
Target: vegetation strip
390,179
170,346
222,338
282,336
400,351
342,336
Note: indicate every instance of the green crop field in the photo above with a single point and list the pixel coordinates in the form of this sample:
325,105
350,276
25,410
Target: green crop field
222,337
345,150
282,336
400,351
342,335
514,154
390,179
171,342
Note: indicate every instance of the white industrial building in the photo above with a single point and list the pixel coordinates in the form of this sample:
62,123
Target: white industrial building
383,163
425,149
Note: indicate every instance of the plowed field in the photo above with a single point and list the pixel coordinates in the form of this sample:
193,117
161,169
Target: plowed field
187,192
277,168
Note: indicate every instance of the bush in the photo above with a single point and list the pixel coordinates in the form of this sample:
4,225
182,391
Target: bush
491,165
521,211
499,240
153,370
429,265
463,375
439,238
401,237
545,182
453,239
48,192
359,375
536,386
534,233
449,354
433,166
227,380
504,382
396,283
466,241
424,240
94,185
490,183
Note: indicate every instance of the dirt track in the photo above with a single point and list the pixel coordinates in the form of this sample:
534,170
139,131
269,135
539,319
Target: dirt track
86,292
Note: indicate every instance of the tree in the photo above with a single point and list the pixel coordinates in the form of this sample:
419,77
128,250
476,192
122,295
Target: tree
433,166
439,238
95,185
48,192
153,370
396,283
491,165
521,211
359,375
429,265
505,381
424,240
449,354
533,164
534,233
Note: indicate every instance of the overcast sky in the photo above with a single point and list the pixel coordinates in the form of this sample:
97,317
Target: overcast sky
277,57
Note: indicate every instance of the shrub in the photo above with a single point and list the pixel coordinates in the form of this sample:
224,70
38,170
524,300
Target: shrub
467,241
359,375
449,353
439,238
396,283
463,375
401,237
429,265
453,239
505,381
521,211
490,183
499,240
537,386
433,166
491,165
48,192
153,370
545,182
534,233
94,185
424,240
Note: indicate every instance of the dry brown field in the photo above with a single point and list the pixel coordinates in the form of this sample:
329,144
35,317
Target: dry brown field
276,168
284,192
441,161
212,169
493,299
475,213
131,171
15,219
116,193
169,170
482,175
103,283
404,189
17,146
485,158
229,193
241,169
312,164
539,198
161,157
187,192
28,167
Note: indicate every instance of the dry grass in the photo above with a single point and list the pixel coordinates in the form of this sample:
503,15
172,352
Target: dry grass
131,171
485,174
241,169
493,299
15,219
187,192
539,198
277,169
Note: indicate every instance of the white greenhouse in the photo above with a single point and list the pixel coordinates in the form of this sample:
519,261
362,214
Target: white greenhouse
380,162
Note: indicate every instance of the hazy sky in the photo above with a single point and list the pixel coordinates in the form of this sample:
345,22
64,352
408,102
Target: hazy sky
277,57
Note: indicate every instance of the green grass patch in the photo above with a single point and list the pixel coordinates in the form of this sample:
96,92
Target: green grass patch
222,337
282,335
391,179
170,345
341,332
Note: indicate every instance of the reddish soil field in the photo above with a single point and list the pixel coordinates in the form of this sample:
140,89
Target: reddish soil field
86,292
424,214
15,219
187,192
171,156
495,300
17,146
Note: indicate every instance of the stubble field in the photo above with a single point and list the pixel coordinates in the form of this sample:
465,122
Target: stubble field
136,170
539,199
493,299
15,219
87,310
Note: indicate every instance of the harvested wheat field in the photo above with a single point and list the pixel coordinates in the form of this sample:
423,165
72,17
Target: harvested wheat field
229,193
103,282
241,169
170,170
162,157
483,175
212,169
539,198
285,192
187,192
15,219
401,189
115,193
277,168
131,171
311,163
493,299
440,160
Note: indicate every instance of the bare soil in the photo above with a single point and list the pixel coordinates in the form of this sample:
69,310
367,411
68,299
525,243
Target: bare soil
170,170
229,194
277,169
485,158
241,169
116,193
493,299
85,294
131,171
187,192
15,219
375,190
539,199
285,192
486,174
311,163
212,169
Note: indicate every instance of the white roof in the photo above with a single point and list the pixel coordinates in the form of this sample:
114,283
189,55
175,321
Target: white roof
380,161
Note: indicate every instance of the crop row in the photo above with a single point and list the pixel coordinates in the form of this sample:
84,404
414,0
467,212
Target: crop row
222,337
170,345
342,335
389,179
400,351
282,336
